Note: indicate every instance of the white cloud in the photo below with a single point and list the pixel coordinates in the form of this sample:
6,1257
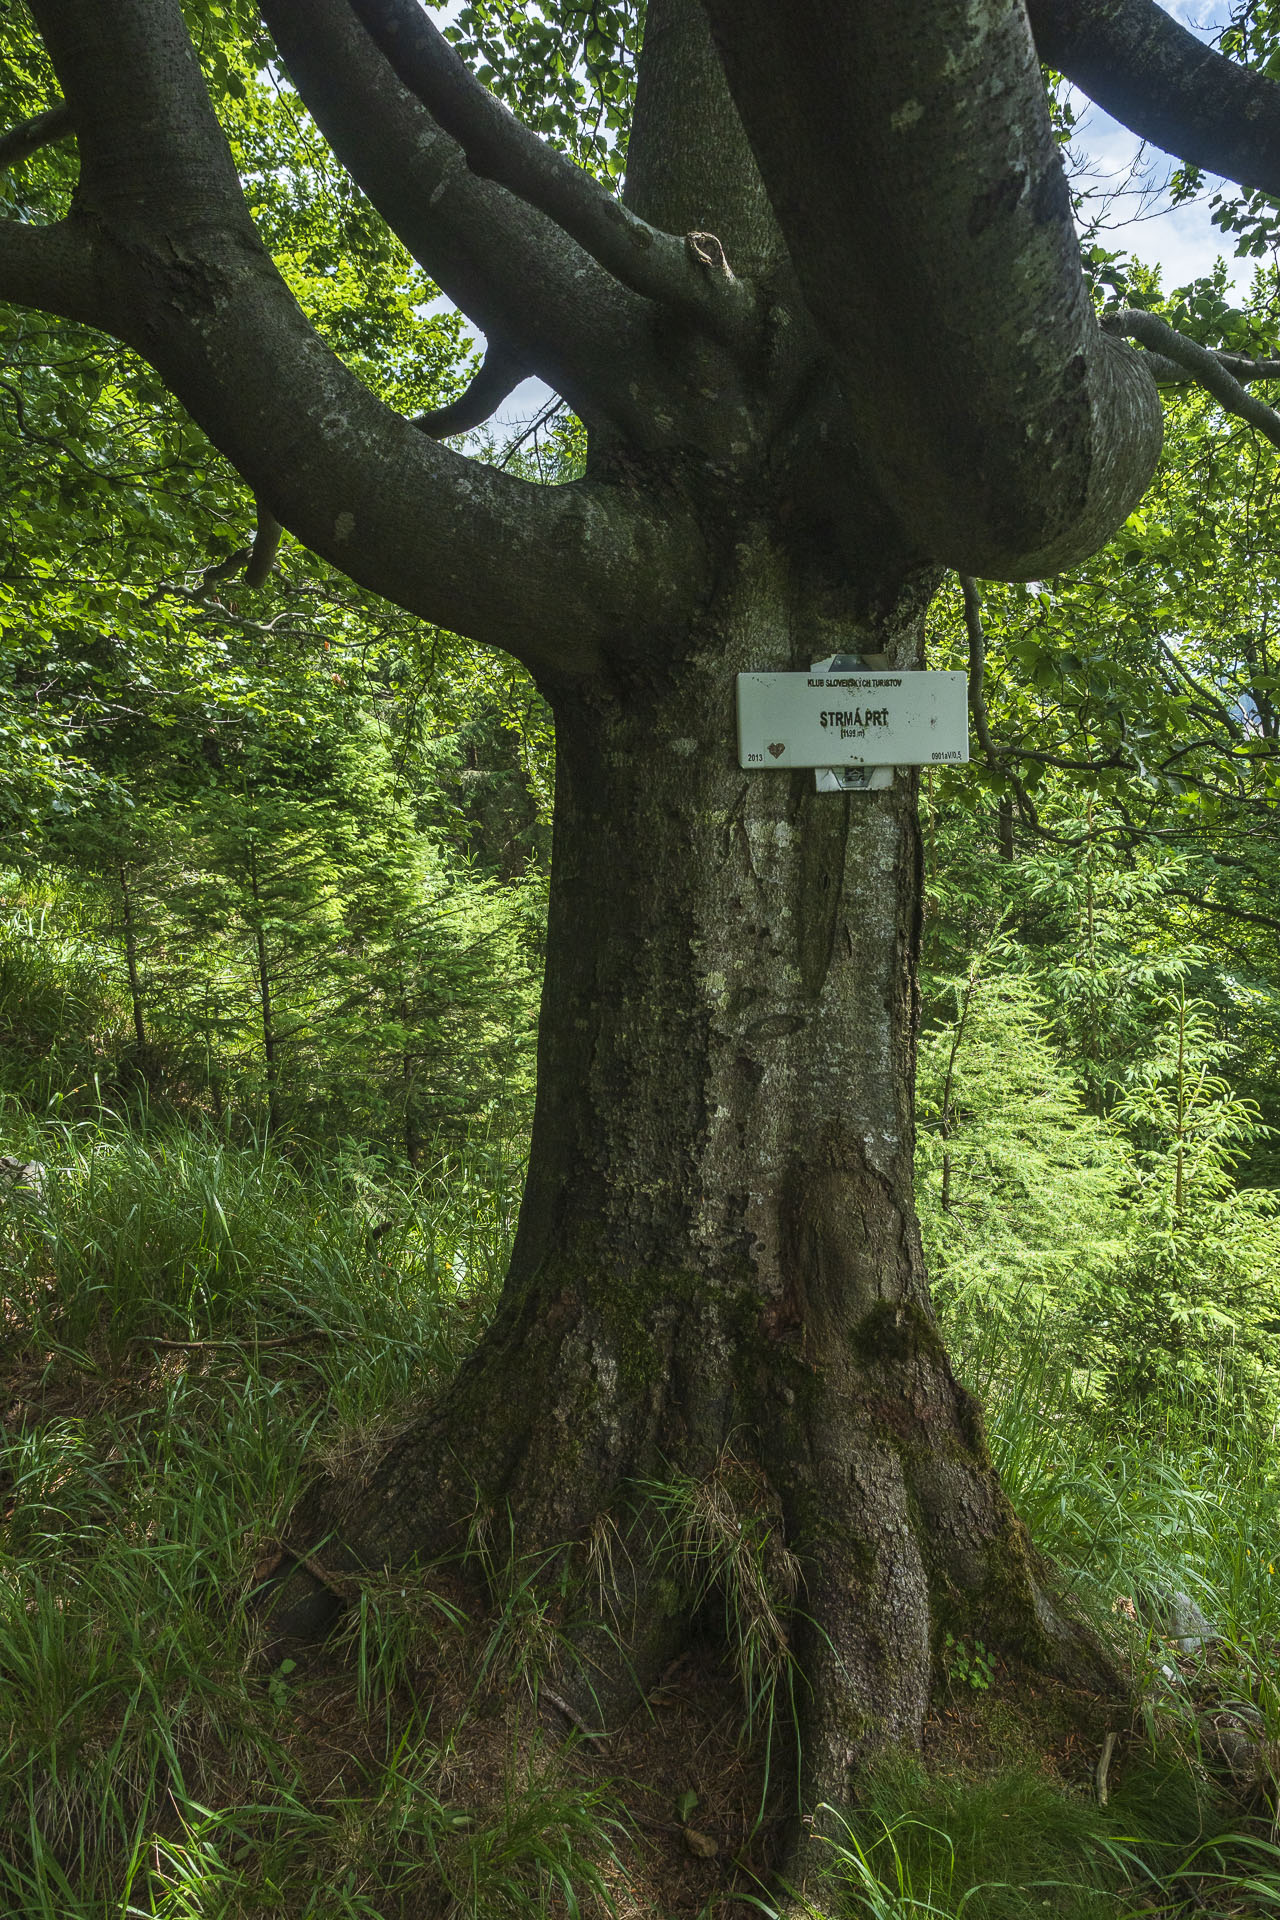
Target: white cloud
1182,241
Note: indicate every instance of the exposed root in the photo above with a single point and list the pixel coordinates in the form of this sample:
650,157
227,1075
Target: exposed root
830,1575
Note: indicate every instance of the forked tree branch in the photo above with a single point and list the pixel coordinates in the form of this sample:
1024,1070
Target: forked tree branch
41,130
1160,81
649,261
510,269
500,374
1207,702
49,267
930,227
1211,370
167,252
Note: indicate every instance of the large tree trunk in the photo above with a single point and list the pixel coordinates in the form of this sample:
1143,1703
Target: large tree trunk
718,1243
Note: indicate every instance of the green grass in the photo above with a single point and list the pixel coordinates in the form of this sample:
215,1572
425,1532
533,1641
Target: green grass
1016,1846
61,1011
143,1744
193,1321
179,1234
535,1854
1133,1511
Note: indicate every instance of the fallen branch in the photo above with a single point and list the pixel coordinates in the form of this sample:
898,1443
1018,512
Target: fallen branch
343,1584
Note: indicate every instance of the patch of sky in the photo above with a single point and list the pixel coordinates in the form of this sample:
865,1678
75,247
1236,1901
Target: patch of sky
1128,184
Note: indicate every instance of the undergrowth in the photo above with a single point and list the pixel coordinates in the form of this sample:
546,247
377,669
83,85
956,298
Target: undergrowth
190,1325
194,1321
1014,1846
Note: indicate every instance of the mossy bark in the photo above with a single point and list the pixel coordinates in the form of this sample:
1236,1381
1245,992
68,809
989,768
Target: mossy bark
718,1244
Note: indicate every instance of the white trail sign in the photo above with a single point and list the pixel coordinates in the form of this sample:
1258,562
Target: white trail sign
868,719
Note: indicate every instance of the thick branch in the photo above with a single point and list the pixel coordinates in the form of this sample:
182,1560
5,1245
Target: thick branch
506,266
1164,84
40,131
49,267
556,575
266,545
1209,369
499,375
707,180
642,257
910,160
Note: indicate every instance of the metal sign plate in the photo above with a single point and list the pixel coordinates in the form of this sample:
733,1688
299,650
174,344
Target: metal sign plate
874,719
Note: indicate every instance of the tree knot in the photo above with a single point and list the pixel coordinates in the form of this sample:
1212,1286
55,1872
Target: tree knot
705,249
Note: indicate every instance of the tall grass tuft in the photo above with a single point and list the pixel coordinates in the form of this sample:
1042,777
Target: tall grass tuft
210,1318
193,1321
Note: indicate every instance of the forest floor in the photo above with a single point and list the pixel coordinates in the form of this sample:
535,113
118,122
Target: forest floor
192,1325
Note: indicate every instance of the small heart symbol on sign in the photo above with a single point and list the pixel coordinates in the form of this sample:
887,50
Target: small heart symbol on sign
776,747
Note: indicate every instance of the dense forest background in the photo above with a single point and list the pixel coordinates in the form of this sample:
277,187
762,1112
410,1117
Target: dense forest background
272,891
275,860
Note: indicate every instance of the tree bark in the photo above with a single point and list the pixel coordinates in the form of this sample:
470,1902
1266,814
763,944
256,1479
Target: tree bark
131,959
270,1052
718,1247
1155,77
1007,437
